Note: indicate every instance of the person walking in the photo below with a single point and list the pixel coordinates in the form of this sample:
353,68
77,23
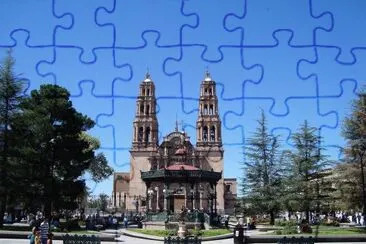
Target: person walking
44,229
32,236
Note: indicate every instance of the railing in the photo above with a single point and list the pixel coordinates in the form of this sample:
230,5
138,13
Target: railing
185,240
297,240
80,239
162,216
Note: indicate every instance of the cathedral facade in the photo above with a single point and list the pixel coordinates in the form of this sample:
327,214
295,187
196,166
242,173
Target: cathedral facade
174,173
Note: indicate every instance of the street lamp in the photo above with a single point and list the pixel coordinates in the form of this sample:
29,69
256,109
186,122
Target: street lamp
192,195
150,193
157,198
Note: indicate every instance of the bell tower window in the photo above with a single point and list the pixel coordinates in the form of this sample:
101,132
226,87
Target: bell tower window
148,91
211,109
142,109
212,133
147,109
205,109
205,133
140,134
147,134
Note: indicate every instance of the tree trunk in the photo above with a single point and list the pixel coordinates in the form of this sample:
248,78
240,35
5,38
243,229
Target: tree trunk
307,215
272,220
2,211
47,209
289,214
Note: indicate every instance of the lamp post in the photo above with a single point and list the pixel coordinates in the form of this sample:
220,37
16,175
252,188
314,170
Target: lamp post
192,196
157,198
150,193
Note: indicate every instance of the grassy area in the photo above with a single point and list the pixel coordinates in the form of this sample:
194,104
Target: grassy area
27,228
164,233
161,233
215,232
324,230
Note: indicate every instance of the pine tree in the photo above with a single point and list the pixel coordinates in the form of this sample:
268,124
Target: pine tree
51,148
354,131
11,88
308,165
262,172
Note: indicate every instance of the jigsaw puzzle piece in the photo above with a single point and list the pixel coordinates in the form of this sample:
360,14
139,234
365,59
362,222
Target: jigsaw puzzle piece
339,105
149,57
347,30
84,32
236,123
100,187
229,74
261,18
37,18
113,120
95,106
169,113
280,79
27,59
210,31
103,71
160,16
328,72
287,124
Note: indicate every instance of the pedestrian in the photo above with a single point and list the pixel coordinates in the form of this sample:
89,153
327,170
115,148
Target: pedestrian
32,236
125,221
49,238
44,229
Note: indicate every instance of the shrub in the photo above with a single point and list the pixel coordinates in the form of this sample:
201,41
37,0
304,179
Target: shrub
70,225
195,233
289,228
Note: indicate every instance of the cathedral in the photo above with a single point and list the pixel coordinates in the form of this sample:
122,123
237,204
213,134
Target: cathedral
174,173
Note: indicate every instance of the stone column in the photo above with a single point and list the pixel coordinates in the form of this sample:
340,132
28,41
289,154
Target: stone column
201,198
215,197
157,198
186,195
147,197
166,197
194,196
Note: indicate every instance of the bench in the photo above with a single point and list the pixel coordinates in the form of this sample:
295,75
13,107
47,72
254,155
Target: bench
80,239
297,240
185,240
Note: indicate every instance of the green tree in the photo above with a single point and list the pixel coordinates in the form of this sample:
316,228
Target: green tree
100,203
99,168
11,88
262,172
308,163
354,131
51,147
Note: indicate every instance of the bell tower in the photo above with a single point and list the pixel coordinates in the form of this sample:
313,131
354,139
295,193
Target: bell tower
208,129
208,125
145,125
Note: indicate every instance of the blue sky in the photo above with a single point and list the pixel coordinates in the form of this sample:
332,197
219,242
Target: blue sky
296,60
